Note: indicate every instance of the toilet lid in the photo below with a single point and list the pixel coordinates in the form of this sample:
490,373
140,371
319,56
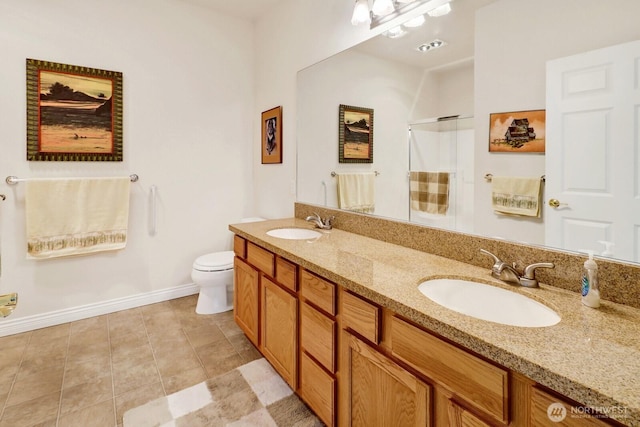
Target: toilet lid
214,261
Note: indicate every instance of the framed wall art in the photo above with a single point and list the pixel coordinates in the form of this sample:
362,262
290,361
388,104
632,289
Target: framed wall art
74,113
355,134
517,132
271,145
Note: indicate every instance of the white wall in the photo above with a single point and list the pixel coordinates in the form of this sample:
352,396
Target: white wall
188,110
292,36
510,76
358,79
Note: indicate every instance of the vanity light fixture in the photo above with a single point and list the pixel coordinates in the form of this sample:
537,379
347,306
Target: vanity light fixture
440,10
378,12
426,47
361,13
382,7
395,32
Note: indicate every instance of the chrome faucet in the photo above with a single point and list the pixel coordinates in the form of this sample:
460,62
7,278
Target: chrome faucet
324,224
508,273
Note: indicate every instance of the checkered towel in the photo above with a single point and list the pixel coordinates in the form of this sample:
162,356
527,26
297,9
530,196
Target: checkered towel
430,192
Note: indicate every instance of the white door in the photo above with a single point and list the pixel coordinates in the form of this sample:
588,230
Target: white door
593,151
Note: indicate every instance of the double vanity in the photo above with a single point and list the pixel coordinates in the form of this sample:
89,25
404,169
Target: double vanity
369,332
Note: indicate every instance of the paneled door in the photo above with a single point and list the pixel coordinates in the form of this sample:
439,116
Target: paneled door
593,151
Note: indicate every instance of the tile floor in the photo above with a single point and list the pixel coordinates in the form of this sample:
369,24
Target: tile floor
88,373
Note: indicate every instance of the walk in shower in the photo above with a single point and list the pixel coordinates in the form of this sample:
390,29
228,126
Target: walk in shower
441,159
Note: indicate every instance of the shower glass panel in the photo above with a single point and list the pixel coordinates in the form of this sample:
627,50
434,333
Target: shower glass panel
446,146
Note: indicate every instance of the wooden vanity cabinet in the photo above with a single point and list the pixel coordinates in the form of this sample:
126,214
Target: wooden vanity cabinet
380,392
358,364
246,299
266,306
318,355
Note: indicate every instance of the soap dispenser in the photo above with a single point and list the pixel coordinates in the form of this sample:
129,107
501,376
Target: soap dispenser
590,290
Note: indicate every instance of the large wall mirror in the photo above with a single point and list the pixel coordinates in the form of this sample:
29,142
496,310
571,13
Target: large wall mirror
495,60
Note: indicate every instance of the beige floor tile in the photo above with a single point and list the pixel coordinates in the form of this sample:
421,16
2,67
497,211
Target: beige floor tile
79,352
52,333
173,363
93,324
86,370
99,415
87,394
89,372
156,308
18,341
10,361
165,322
204,335
229,328
183,380
31,412
36,385
128,376
136,351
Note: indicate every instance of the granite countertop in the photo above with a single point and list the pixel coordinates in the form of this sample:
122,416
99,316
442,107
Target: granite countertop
591,356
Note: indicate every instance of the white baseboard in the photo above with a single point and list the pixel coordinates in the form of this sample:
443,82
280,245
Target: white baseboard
52,318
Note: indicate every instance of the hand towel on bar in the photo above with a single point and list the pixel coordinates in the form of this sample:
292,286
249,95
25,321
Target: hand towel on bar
356,192
76,216
514,195
429,192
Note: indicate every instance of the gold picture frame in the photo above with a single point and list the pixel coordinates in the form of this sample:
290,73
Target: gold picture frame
74,113
271,142
355,134
517,132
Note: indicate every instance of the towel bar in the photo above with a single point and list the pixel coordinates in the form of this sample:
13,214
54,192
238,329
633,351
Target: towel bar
489,176
334,174
13,180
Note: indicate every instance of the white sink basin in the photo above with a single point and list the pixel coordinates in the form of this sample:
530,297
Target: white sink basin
294,233
488,302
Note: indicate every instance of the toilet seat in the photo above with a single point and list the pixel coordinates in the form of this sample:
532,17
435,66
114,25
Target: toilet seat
216,261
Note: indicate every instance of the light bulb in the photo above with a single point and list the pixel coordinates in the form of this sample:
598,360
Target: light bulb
382,7
361,13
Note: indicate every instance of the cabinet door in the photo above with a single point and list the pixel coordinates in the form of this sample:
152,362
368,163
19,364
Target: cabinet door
547,409
381,393
280,330
246,299
460,417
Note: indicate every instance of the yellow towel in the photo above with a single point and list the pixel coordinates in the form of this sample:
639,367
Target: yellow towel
429,192
513,195
356,192
76,216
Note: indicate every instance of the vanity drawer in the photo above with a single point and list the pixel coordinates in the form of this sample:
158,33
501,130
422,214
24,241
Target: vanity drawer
540,402
239,246
260,258
286,274
318,389
318,292
480,383
361,316
318,336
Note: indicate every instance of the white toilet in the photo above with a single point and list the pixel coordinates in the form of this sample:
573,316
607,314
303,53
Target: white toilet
213,273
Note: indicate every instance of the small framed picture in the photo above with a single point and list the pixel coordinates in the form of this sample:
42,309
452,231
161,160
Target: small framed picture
271,144
74,113
355,134
517,132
